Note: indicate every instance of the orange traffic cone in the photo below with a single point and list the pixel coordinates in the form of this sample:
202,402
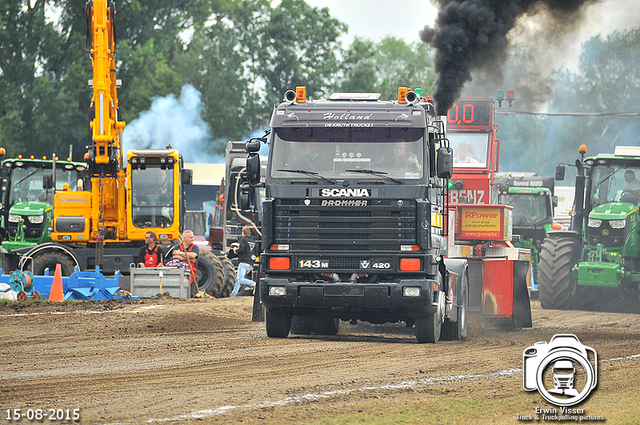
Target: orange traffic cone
57,293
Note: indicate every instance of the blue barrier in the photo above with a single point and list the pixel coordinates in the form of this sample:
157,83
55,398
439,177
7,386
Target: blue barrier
87,285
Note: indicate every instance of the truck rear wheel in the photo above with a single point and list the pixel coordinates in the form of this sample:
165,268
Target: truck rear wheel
457,330
302,325
318,325
277,324
558,255
229,278
49,260
210,273
428,328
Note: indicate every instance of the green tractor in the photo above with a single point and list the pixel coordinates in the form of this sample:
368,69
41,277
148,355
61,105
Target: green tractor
532,199
27,199
597,260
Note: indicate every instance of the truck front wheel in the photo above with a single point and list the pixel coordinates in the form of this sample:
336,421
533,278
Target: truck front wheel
558,255
277,324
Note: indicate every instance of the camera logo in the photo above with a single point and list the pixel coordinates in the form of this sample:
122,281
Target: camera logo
564,371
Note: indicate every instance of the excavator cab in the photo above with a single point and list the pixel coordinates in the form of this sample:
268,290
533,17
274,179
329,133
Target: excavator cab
154,193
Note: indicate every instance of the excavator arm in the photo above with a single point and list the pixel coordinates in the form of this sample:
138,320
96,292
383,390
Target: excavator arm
106,151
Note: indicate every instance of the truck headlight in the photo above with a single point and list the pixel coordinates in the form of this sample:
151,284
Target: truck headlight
617,224
411,291
36,219
14,218
594,222
277,291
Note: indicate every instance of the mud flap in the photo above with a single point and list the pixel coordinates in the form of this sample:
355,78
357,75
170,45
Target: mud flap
521,302
505,298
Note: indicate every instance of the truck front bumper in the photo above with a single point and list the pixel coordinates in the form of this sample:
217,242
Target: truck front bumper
408,297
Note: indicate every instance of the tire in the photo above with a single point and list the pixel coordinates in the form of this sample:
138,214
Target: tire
329,326
558,255
428,328
317,325
229,277
210,273
277,325
302,325
49,260
457,330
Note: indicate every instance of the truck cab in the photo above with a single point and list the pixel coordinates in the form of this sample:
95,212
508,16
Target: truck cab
353,215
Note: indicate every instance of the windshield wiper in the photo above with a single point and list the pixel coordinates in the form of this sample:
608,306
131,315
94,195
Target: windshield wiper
377,173
26,177
310,173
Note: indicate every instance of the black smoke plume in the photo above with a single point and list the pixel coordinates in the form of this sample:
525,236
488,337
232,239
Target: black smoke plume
471,35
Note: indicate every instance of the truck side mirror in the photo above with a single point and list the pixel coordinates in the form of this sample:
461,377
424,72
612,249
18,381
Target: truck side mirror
444,163
47,181
253,168
560,172
186,176
252,146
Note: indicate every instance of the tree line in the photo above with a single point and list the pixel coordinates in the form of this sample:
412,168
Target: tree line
242,55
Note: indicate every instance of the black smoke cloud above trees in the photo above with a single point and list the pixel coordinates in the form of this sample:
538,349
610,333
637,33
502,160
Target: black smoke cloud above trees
472,35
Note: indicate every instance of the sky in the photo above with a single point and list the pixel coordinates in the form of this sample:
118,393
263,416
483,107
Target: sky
375,19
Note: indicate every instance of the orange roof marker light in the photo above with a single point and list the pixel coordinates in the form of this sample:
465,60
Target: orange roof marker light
301,94
402,93
583,151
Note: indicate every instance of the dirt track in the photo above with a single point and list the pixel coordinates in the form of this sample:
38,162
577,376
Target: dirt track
181,360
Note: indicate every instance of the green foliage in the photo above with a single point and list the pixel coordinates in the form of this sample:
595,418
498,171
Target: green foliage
385,66
298,46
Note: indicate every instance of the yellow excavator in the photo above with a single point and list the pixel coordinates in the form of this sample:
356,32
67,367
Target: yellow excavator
105,224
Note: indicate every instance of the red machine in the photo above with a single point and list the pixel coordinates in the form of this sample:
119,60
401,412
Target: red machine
479,228
472,135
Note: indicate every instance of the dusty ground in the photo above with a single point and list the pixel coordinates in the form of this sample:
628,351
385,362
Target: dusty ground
185,360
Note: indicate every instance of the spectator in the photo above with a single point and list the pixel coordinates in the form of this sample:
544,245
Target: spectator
244,251
151,254
185,254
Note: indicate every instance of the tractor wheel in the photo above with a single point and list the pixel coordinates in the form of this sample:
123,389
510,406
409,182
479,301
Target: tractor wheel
229,279
210,273
558,255
457,330
49,260
277,324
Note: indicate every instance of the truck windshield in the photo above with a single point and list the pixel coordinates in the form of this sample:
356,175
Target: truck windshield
529,208
469,149
152,197
333,152
26,182
614,183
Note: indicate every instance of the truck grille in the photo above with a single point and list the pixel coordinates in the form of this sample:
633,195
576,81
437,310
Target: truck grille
381,225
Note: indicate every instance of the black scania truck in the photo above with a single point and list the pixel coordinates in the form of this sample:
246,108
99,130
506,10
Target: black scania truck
354,217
